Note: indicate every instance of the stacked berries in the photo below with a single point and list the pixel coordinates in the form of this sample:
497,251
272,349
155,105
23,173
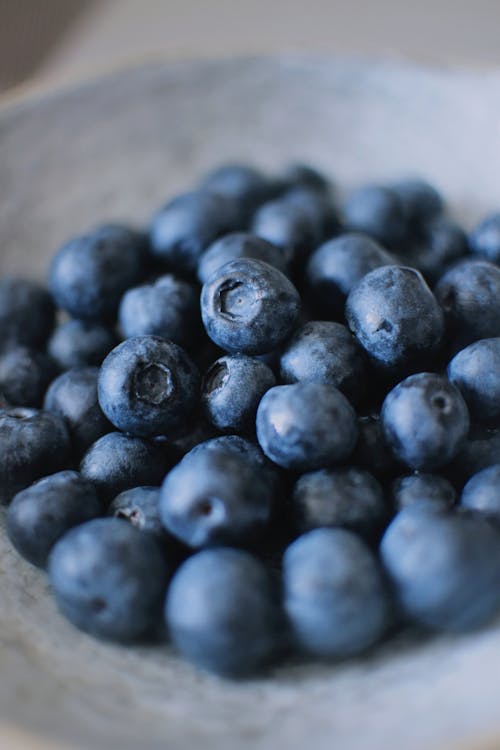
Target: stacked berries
267,424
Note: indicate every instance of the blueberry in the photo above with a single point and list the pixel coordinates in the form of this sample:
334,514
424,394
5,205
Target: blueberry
90,273
169,308
239,245
248,306
148,386
425,421
476,372
24,375
317,206
481,494
216,496
109,580
284,224
32,444
334,593
303,175
306,426
395,317
26,313
470,296
421,201
79,343
418,487
183,229
117,462
39,515
377,211
139,506
485,238
480,449
232,389
372,452
444,567
350,498
73,396
244,184
326,352
223,614
337,266
440,244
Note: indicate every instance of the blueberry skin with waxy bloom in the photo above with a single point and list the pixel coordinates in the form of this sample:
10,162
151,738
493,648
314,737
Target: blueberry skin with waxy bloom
250,307
239,245
395,317
139,506
484,239
306,426
475,370
440,244
335,596
39,515
109,580
27,313
425,421
287,226
378,211
25,374
223,613
421,202
246,186
79,343
481,494
148,386
418,487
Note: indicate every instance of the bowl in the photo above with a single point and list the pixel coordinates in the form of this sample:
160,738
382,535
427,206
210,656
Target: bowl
116,149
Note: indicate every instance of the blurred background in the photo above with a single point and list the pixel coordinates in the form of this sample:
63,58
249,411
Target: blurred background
49,43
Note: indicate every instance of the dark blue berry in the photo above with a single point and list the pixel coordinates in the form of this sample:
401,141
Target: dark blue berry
317,206
372,452
481,494
444,567
326,352
39,515
148,386
306,426
239,245
24,375
395,317
334,594
418,487
439,245
223,614
377,211
73,396
476,372
109,579
421,202
485,238
425,421
288,227
248,306
232,389
480,449
79,343
337,266
243,184
26,313
303,175
139,506
90,273
32,444
117,462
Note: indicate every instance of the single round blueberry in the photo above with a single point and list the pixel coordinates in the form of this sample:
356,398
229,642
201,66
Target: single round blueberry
481,494
79,343
282,223
480,450
27,313
109,580
223,614
418,487
469,294
444,567
168,308
32,444
73,396
248,306
117,462
148,386
326,352
24,375
239,245
183,229
304,175
377,211
232,389
349,498
39,515
139,506
318,207
90,273
216,497
306,426
395,317
337,266
372,452
484,239
421,201
439,245
425,421
334,594
476,372
245,185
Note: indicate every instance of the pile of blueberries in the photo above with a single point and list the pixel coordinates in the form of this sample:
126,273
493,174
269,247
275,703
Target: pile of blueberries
269,424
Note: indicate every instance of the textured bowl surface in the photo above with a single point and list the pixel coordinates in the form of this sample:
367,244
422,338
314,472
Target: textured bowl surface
116,149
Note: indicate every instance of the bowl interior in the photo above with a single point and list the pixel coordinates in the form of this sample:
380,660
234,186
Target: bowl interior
116,149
